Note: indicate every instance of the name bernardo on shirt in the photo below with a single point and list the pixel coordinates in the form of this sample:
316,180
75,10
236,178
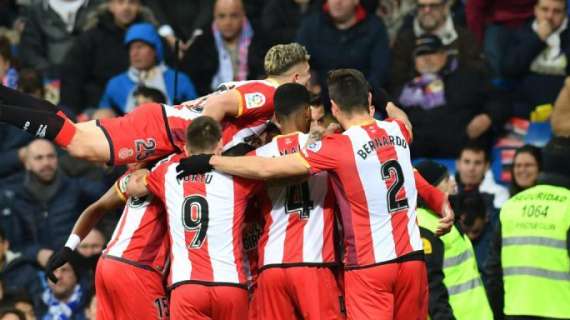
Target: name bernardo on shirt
378,143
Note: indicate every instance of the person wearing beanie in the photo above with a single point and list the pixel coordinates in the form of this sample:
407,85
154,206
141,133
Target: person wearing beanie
455,287
528,270
67,298
147,68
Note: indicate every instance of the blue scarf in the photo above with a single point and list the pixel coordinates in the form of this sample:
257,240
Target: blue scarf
58,310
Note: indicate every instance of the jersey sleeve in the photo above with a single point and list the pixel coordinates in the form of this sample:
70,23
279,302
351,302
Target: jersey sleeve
323,155
407,134
433,197
255,99
156,179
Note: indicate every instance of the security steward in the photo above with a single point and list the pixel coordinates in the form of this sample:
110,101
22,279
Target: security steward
529,265
455,287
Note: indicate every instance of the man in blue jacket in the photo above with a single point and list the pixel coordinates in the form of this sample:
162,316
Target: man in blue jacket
147,69
44,206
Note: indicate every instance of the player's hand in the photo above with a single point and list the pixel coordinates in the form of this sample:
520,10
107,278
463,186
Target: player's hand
446,222
478,125
57,260
194,165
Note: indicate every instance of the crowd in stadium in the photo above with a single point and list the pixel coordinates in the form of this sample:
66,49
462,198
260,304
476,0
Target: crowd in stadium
475,91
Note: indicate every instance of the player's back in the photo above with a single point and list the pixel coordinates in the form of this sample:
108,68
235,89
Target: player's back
299,218
374,183
205,216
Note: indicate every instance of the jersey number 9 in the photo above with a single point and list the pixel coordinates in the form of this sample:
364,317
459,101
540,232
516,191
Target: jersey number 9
195,218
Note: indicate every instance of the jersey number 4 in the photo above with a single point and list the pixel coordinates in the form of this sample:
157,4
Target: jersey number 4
391,169
299,200
195,218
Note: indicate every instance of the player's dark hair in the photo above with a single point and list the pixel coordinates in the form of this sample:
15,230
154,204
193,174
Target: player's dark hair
203,134
349,89
289,98
477,147
6,49
470,206
153,94
30,81
2,234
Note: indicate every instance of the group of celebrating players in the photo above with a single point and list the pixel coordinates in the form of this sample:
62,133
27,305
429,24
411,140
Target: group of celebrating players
192,195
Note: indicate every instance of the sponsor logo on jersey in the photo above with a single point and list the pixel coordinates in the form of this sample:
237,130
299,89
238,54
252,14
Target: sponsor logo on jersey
315,146
139,202
125,153
254,100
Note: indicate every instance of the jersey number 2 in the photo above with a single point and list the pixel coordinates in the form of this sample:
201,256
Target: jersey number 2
195,217
389,168
299,201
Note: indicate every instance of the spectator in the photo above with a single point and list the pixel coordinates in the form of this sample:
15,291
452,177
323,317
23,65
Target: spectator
228,51
12,314
473,174
394,14
146,68
46,203
444,91
538,55
433,18
446,272
181,19
493,22
343,35
146,95
526,166
281,19
12,140
8,74
99,53
477,221
67,298
529,263
51,26
18,272
93,244
26,305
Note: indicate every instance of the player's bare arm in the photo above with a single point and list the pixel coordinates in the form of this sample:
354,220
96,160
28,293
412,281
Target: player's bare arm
218,106
136,184
86,222
260,168
92,215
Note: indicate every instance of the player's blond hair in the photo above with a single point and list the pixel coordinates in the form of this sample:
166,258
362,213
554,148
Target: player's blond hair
280,58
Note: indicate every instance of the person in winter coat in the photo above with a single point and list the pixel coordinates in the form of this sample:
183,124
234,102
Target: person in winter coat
147,69
51,26
99,53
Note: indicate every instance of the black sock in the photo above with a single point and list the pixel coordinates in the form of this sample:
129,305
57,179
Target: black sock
38,123
16,98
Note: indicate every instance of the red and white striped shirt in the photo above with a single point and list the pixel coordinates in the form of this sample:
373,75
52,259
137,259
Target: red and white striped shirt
373,179
140,237
205,216
299,219
254,111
